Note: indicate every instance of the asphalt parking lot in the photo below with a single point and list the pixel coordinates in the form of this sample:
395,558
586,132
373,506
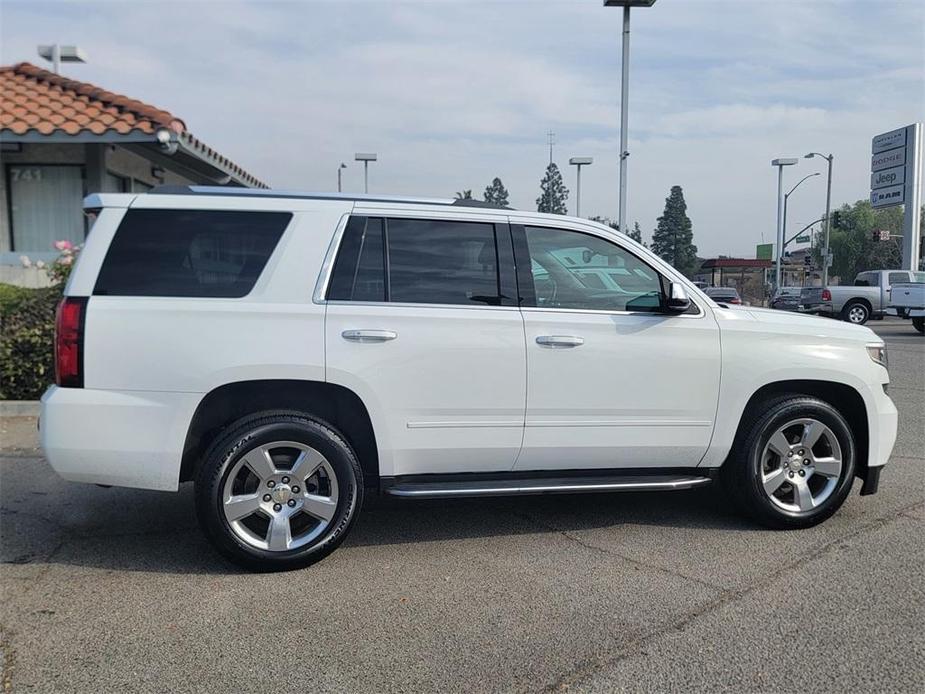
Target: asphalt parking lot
109,590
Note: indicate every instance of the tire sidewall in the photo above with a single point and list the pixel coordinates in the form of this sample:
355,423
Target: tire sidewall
761,434
230,449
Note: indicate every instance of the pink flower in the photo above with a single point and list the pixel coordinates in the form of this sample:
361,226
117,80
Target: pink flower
63,245
66,260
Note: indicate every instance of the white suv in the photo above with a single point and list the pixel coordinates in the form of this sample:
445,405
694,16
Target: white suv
289,353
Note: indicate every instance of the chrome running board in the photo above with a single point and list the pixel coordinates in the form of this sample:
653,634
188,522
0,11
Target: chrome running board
546,485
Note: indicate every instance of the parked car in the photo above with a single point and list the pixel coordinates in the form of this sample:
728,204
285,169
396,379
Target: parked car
290,354
786,299
723,295
868,297
909,301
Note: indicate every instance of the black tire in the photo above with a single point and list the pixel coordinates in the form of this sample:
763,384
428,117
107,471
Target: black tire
263,428
741,473
918,322
856,312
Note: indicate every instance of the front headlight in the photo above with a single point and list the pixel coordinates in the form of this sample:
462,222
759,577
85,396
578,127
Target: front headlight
877,352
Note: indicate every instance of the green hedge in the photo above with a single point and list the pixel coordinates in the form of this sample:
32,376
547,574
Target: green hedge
27,333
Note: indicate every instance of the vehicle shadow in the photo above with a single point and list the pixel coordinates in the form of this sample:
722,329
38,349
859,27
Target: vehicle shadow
131,530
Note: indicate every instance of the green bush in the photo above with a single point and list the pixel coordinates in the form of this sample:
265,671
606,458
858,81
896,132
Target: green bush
27,334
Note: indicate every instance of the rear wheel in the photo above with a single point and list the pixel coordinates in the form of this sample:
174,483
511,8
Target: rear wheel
918,322
793,462
856,312
279,491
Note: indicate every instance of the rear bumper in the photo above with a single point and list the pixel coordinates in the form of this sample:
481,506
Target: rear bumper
817,309
121,438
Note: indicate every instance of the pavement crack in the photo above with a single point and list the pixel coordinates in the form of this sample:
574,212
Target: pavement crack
610,552
727,597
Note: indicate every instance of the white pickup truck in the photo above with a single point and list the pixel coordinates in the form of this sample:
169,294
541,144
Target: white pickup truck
909,301
868,297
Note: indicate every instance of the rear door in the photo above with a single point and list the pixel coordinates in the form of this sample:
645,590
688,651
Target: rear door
422,323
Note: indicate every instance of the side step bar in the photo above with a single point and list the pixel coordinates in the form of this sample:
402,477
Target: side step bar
545,485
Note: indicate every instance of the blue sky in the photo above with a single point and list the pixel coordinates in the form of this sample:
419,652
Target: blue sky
451,94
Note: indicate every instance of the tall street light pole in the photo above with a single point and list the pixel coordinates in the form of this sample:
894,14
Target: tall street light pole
339,169
365,158
828,215
624,96
787,197
578,162
780,164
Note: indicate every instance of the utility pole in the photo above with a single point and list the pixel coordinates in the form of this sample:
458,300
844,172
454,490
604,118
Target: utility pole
550,140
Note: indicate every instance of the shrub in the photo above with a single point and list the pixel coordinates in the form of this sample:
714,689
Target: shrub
27,331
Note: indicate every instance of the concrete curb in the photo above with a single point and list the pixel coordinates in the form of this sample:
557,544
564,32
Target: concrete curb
19,408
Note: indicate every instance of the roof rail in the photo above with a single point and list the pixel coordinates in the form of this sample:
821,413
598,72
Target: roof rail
236,191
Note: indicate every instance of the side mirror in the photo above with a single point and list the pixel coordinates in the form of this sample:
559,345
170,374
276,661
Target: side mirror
678,300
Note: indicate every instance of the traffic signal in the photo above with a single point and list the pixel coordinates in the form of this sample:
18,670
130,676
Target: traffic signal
807,260
836,219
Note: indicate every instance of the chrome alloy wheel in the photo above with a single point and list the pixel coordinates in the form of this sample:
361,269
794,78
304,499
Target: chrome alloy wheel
280,496
857,314
801,465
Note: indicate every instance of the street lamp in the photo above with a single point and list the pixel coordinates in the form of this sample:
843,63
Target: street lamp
828,214
56,55
365,158
578,162
780,164
786,197
339,169
624,95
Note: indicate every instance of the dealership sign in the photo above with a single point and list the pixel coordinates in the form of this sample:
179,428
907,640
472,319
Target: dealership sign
884,197
896,164
888,177
887,160
890,140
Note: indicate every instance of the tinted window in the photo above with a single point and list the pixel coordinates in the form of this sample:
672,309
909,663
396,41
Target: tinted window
897,277
562,260
195,253
442,262
359,271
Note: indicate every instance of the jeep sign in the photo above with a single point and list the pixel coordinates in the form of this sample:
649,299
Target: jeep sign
888,177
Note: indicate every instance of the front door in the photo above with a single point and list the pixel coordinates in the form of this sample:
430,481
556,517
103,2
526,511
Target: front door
612,380
422,324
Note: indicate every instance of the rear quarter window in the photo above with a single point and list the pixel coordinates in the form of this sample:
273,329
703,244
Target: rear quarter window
189,253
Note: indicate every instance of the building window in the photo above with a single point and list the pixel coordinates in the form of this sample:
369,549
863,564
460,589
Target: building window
45,206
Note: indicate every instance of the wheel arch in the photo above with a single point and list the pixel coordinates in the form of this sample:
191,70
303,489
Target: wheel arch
859,300
338,406
848,401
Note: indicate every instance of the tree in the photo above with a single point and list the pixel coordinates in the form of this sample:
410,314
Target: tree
636,233
851,240
553,192
496,193
673,238
464,194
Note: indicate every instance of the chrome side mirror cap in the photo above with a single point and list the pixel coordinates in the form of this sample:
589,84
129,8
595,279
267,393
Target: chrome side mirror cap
678,300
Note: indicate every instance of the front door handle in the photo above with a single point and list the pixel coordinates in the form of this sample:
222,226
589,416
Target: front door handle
369,335
560,341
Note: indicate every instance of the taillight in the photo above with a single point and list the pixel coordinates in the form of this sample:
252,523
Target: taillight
69,341
735,301
826,295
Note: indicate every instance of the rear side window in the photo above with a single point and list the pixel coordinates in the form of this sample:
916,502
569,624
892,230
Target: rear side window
418,261
442,262
898,277
189,253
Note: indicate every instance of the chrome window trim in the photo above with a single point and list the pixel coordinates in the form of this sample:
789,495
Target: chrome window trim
478,307
655,314
327,265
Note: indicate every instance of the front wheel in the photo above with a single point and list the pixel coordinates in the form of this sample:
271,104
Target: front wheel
279,491
793,462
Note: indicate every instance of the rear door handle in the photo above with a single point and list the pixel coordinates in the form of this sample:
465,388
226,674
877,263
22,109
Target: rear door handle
369,335
560,341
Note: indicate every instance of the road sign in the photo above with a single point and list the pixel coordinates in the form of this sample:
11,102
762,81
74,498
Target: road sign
802,239
890,140
764,251
887,160
885,197
888,177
